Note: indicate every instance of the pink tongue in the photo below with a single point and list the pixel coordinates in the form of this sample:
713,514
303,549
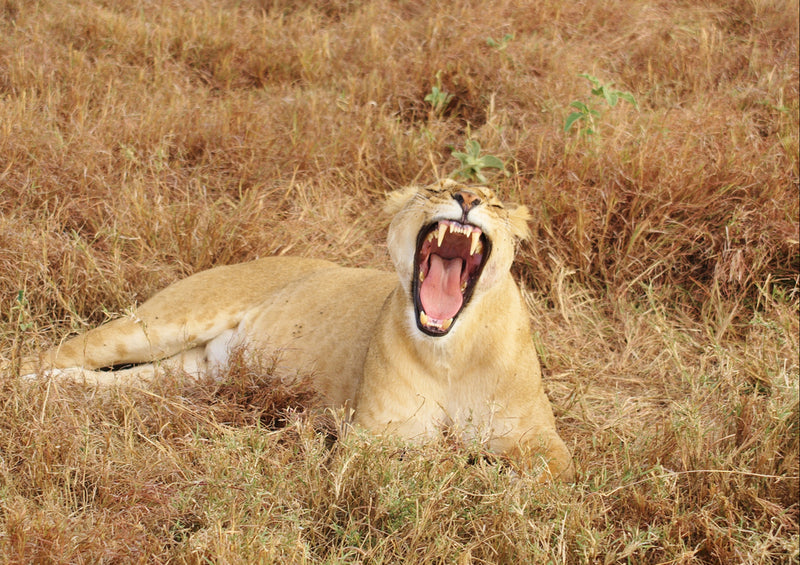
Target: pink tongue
440,293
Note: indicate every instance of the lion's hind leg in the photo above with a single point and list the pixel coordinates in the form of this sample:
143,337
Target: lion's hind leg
124,341
191,362
121,341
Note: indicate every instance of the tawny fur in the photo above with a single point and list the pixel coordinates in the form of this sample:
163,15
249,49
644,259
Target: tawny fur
355,331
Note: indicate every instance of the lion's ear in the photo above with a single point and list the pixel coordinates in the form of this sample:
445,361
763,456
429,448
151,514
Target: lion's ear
399,198
518,218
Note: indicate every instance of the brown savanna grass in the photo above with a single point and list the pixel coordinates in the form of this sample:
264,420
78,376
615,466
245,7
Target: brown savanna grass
141,142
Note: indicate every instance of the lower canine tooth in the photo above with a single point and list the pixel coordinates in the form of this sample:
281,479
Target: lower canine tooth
423,318
446,324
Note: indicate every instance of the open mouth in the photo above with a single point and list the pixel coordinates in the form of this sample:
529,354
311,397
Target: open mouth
449,260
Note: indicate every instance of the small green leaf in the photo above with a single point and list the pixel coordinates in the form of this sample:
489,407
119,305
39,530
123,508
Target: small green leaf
627,96
580,106
492,162
500,44
571,119
593,79
473,148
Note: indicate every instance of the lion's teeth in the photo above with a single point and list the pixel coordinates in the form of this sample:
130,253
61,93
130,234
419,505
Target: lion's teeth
438,324
442,230
476,241
421,276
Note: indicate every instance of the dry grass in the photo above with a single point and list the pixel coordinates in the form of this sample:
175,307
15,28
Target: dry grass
140,142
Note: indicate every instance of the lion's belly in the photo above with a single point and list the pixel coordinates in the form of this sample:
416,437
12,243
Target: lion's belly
322,325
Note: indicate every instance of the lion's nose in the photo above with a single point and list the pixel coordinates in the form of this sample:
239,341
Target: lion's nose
467,200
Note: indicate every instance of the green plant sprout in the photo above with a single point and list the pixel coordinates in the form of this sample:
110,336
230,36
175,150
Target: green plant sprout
472,163
500,44
586,116
438,98
21,307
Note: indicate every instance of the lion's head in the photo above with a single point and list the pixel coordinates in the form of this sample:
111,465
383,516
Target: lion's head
450,243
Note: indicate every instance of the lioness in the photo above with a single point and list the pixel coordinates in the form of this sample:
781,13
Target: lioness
443,343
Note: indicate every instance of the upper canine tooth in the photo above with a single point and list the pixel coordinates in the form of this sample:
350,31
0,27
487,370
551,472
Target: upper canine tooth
442,230
476,241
